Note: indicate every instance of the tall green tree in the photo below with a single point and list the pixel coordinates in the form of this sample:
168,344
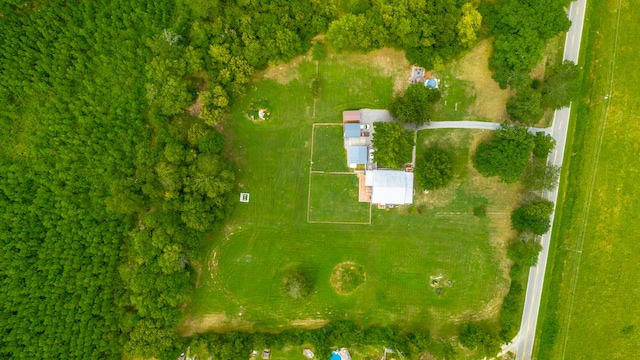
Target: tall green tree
561,85
524,107
506,155
533,217
434,168
416,105
393,144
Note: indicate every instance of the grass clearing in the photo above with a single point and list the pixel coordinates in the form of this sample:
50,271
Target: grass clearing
334,199
329,153
484,100
241,285
590,308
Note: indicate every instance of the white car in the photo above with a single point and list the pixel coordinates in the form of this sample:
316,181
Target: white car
365,126
371,154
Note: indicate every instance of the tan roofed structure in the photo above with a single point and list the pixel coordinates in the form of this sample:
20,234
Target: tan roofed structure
351,116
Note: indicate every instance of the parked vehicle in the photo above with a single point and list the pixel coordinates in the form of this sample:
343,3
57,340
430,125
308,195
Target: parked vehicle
365,126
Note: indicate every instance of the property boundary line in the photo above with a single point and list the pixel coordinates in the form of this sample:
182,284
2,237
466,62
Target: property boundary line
311,172
585,218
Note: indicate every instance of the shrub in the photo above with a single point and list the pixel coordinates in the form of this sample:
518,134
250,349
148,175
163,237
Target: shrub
298,283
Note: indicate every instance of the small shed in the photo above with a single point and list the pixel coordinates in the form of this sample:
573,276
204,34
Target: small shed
266,354
356,155
351,131
351,116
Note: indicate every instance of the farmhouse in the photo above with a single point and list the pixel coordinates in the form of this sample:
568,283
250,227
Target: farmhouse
390,187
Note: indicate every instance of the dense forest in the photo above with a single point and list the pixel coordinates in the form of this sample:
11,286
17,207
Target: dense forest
108,183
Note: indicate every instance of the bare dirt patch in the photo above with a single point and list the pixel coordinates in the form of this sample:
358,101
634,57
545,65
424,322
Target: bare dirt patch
309,323
388,62
490,101
213,322
284,73
347,277
196,108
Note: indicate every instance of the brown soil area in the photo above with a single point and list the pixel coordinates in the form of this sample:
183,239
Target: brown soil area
490,101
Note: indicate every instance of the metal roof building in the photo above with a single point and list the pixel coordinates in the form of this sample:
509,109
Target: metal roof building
351,131
356,155
390,187
351,116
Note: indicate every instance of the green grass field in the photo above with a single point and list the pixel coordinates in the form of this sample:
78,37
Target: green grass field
241,285
329,153
334,198
590,309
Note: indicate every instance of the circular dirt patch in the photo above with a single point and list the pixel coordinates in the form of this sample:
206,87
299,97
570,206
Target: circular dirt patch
346,277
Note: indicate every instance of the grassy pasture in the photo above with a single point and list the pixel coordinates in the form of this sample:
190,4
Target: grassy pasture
334,198
329,153
241,285
590,310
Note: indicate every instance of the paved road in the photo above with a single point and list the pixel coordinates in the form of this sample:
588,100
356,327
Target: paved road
522,344
480,125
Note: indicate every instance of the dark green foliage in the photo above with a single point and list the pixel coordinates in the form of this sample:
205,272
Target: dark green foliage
561,85
334,335
298,283
521,28
316,89
506,155
479,336
541,175
480,210
511,311
524,107
212,143
393,144
416,105
73,110
524,252
533,217
319,51
451,27
544,143
434,169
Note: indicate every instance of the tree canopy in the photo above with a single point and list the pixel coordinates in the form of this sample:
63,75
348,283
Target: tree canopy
506,155
434,168
561,85
393,145
521,28
416,105
429,31
533,217
525,106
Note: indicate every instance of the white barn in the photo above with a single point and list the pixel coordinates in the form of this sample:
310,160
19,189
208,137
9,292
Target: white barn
390,187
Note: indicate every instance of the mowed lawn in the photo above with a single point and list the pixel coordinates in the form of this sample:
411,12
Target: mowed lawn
598,316
334,198
329,153
241,284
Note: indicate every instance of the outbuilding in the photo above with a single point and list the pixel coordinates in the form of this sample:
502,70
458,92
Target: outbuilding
390,187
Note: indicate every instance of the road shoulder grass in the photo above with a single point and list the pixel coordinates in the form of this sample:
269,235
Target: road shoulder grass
589,308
